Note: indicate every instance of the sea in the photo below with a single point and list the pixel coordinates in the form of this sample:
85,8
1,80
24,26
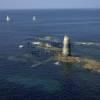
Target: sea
31,73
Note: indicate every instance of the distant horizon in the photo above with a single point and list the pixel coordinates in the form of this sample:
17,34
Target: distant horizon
51,9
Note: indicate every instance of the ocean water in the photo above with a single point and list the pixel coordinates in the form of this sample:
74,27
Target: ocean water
21,80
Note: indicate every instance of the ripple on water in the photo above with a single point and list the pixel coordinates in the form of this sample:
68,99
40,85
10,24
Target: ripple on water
48,85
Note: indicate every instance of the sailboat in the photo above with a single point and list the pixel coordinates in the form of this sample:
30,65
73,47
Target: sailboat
7,18
34,18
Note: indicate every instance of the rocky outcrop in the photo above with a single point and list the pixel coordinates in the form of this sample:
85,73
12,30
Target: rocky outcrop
91,64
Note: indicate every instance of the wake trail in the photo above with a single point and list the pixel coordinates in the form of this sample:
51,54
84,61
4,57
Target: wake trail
43,62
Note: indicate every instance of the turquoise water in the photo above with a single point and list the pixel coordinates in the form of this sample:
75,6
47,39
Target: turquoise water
20,81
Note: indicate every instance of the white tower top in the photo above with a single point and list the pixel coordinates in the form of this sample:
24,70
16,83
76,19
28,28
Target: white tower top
66,43
66,38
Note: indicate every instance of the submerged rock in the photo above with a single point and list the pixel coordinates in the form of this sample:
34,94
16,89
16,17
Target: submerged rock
92,65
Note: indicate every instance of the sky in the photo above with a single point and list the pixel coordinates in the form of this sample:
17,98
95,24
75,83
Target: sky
48,4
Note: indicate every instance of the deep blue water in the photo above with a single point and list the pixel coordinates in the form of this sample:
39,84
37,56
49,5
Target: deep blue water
20,81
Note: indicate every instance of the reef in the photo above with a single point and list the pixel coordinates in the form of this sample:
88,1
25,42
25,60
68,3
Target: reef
67,59
91,64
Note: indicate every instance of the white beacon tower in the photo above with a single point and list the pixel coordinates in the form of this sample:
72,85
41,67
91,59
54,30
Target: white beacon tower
66,51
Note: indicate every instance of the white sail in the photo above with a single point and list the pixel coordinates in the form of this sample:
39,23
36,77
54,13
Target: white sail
34,18
7,18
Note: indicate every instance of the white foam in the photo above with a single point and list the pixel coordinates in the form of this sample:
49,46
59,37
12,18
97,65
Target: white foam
57,63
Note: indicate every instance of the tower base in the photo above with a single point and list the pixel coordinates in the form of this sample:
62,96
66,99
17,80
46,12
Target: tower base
67,59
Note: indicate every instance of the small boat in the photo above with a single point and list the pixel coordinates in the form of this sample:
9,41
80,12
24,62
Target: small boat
7,18
34,18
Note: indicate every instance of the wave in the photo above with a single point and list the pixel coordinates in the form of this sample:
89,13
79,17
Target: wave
87,43
40,63
65,23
